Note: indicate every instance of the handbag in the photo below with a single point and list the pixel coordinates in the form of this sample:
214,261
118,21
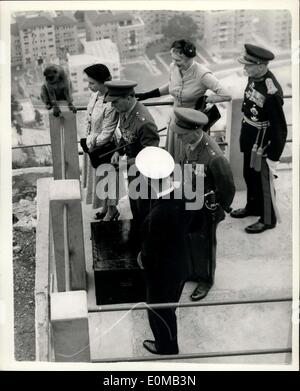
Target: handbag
95,154
213,113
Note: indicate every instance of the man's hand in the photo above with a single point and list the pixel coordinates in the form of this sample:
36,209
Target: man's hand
272,166
115,158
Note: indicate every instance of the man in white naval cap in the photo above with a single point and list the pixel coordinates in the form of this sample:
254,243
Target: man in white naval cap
163,253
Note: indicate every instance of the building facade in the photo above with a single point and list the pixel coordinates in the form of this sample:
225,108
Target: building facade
66,39
276,28
125,29
16,50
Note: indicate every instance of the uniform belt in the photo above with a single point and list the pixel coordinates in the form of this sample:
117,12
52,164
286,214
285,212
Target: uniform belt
258,125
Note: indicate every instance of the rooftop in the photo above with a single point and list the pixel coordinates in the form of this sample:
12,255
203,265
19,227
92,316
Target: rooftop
82,59
38,21
64,20
107,17
104,49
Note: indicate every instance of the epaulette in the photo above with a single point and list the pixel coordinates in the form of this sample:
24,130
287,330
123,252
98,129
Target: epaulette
210,149
271,88
140,116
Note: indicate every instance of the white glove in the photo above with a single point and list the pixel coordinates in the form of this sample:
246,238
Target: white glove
272,166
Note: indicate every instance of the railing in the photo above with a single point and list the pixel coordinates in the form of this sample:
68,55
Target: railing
62,333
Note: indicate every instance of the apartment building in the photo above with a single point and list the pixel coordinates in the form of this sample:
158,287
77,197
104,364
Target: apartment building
66,39
125,29
16,50
37,38
276,28
131,37
107,53
219,28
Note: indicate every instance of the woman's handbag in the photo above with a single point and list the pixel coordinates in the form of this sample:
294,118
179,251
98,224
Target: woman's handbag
95,154
213,113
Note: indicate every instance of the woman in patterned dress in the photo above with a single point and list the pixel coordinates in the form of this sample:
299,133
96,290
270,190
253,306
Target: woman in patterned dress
188,81
101,122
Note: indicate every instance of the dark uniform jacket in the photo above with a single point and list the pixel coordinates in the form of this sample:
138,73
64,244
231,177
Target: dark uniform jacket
263,101
217,173
138,127
163,234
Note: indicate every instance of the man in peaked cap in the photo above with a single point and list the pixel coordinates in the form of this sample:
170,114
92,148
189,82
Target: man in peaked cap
262,139
137,128
219,187
163,253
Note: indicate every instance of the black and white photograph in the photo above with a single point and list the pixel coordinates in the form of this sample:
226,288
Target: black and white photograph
150,185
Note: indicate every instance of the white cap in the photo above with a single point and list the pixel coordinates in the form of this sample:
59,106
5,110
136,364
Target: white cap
154,163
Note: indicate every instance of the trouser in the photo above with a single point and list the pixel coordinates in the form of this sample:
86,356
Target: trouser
202,244
259,200
163,322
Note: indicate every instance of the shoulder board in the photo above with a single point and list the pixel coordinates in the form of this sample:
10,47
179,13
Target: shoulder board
140,116
210,149
271,88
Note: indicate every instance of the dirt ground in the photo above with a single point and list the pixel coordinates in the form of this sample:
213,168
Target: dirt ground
24,306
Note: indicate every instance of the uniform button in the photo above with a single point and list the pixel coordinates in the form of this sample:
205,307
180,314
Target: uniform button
244,104
206,143
213,153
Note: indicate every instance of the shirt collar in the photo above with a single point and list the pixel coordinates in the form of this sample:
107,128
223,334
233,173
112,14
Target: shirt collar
127,114
195,145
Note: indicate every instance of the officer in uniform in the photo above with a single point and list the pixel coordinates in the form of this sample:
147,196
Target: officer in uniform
164,247
138,130
262,139
219,190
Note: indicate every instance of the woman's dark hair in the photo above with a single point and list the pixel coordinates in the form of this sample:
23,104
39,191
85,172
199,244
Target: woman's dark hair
184,47
98,72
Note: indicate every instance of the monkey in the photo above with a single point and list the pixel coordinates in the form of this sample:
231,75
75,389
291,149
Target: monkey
57,87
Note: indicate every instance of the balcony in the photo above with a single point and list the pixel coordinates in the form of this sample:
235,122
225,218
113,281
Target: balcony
218,329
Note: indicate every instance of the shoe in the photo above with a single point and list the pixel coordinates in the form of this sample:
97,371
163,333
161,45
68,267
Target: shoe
241,213
258,227
201,291
151,347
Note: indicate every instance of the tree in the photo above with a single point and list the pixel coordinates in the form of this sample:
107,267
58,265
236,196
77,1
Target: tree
180,27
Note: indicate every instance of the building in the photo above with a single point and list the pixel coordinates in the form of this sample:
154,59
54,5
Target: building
219,28
66,39
125,29
107,53
275,28
131,37
37,38
100,26
16,50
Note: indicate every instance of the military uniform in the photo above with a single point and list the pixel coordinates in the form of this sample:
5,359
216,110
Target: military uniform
138,127
263,135
138,130
220,190
218,179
